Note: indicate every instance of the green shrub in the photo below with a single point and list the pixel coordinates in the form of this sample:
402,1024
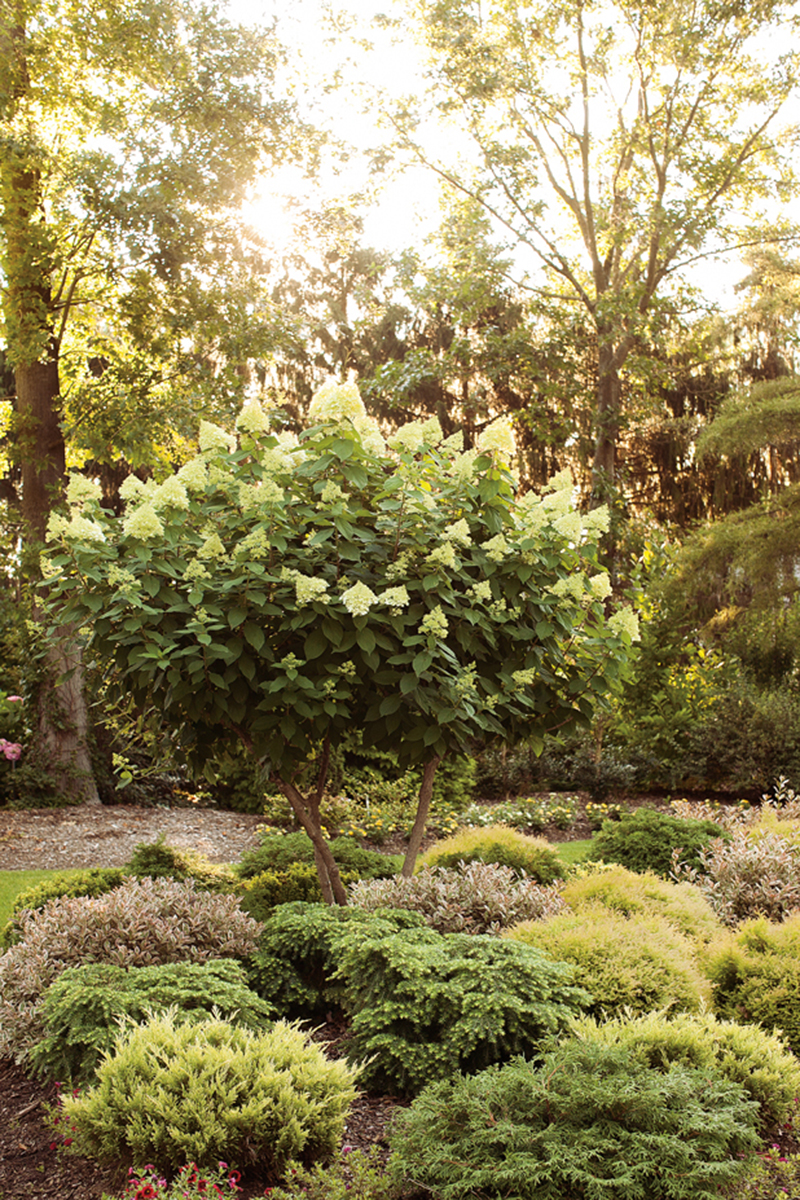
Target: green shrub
770,1176
96,881
427,1005
173,1093
747,876
643,840
745,1054
647,894
82,1009
278,852
627,964
591,1122
476,898
297,882
355,1176
453,783
293,967
141,923
499,844
157,860
755,974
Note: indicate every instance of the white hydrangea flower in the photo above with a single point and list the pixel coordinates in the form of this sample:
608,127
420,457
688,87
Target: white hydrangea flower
560,482
559,503
252,418
195,569
597,520
482,591
143,522
370,434
331,492
82,529
395,597
336,402
306,589
416,434
400,566
132,489
458,532
172,493
462,467
453,444
359,599
443,556
569,587
625,621
277,460
119,577
498,437
496,548
212,547
434,624
80,490
254,544
570,525
193,474
212,437
525,678
600,586
57,526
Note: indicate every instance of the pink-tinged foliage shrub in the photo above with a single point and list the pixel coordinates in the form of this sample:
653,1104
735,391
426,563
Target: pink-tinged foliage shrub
478,898
749,876
142,923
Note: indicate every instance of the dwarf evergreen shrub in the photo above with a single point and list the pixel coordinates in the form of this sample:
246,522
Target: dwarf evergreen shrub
499,844
746,1054
643,840
635,895
173,1093
157,860
82,1010
589,1122
427,1005
476,898
141,923
755,974
627,964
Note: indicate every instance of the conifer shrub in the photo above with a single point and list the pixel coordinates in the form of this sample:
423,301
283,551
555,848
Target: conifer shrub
755,975
173,1093
82,1010
588,1122
751,875
644,839
500,844
426,1005
157,860
294,966
279,851
627,964
141,923
95,881
745,1054
646,894
476,898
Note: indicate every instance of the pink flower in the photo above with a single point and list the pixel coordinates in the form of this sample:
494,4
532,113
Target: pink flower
14,699
11,750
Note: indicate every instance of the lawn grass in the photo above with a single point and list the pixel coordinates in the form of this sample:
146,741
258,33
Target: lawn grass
572,852
14,882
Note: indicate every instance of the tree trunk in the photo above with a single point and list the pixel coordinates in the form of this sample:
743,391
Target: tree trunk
307,813
607,420
423,808
62,722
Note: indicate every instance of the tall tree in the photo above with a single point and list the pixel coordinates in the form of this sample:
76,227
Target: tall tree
129,134
615,142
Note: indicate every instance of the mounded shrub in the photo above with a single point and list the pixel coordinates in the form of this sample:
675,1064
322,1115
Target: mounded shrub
500,844
476,898
746,877
95,881
746,1054
157,860
755,975
173,1093
285,885
632,964
590,1122
426,1005
643,840
635,895
278,852
141,923
295,963
81,1011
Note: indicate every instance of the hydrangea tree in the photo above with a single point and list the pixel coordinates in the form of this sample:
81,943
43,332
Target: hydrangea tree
285,591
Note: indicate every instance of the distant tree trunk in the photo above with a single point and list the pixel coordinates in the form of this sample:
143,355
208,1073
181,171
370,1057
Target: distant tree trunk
607,422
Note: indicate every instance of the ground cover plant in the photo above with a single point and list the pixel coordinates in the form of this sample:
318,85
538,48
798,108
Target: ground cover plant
587,1121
